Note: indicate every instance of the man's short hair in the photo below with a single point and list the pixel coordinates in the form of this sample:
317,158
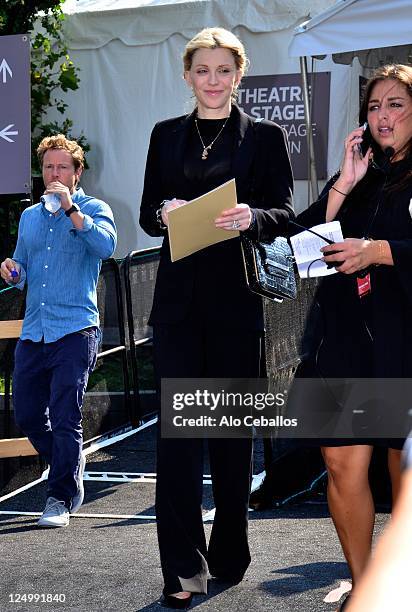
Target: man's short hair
59,141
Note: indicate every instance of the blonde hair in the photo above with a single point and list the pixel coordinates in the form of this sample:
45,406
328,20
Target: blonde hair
212,38
59,141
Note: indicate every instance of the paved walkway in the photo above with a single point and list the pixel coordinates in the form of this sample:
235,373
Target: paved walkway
112,564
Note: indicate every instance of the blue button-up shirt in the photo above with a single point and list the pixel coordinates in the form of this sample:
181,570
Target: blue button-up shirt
61,266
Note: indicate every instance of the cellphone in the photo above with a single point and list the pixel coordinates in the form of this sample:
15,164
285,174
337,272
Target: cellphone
367,140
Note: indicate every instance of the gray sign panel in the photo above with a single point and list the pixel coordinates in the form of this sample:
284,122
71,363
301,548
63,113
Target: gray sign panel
280,99
15,128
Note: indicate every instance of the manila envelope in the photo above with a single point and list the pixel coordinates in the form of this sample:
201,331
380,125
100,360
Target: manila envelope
192,227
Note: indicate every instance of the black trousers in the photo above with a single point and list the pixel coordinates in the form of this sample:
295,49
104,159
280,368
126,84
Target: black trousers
196,350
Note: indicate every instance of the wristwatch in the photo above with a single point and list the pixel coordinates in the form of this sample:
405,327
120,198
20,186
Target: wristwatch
72,209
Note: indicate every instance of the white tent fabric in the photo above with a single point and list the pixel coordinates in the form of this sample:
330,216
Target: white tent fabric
142,22
355,25
131,77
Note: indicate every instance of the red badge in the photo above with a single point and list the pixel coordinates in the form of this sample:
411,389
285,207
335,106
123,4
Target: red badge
364,285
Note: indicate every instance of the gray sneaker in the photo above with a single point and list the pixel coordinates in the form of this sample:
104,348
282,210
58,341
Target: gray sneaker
79,497
55,514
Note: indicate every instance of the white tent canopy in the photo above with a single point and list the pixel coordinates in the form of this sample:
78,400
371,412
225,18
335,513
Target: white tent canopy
355,27
142,22
130,56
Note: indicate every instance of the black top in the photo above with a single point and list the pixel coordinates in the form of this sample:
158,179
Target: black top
214,170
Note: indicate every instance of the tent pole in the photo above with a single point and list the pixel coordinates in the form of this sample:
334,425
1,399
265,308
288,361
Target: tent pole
309,135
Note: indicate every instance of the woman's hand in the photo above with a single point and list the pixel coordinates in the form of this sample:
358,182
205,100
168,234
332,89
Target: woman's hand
238,218
170,205
354,164
349,256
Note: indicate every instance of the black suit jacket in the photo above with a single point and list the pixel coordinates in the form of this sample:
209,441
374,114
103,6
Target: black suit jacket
212,281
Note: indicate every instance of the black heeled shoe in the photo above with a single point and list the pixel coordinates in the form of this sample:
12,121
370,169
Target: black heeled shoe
176,603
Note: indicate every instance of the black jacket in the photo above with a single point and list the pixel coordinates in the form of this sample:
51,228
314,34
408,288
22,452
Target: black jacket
375,330
213,279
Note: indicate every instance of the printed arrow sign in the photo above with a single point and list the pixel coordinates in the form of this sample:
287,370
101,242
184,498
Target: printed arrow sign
5,68
15,129
5,133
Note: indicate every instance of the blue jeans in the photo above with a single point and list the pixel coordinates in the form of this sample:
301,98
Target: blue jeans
49,382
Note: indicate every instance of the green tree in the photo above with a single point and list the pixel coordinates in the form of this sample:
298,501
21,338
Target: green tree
17,16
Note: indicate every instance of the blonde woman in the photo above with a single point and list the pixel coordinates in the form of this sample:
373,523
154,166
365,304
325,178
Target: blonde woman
206,322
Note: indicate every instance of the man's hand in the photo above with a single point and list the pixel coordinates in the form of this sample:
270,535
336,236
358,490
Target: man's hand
10,271
62,191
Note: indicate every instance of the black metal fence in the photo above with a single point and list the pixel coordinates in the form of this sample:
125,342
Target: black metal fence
139,271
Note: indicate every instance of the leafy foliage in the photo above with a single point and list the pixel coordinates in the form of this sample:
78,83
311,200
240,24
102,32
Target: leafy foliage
17,16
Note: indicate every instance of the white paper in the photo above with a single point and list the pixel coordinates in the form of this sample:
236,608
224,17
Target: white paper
306,248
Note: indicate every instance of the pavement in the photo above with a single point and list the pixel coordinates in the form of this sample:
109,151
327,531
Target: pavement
111,563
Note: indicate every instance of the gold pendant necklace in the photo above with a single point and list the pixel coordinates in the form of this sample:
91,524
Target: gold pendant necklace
207,148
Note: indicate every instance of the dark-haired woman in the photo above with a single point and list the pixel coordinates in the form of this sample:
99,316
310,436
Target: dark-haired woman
365,309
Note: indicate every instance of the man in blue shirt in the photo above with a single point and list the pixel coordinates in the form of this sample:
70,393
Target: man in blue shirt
58,255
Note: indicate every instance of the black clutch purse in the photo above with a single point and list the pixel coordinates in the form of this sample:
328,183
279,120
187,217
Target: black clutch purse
269,268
